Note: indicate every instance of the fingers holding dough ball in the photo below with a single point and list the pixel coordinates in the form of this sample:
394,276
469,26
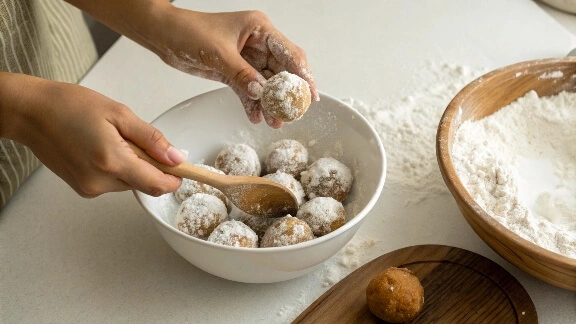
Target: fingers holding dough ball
286,96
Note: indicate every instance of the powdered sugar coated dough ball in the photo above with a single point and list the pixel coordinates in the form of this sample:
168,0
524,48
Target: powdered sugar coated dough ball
289,182
258,224
234,233
323,214
327,177
288,156
287,230
190,187
200,214
238,159
286,96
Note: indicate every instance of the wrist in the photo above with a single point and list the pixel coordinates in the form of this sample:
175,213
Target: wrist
148,28
173,25
14,101
136,19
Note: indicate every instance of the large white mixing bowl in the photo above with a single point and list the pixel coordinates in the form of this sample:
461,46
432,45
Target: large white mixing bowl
205,124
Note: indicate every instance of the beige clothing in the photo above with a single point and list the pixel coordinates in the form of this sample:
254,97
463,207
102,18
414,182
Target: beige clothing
47,39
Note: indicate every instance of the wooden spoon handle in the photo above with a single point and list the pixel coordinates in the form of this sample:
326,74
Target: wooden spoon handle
183,170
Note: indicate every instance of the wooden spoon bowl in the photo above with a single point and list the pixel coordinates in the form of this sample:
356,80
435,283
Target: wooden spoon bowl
481,98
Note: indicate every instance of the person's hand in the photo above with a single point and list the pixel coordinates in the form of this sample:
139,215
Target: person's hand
81,136
240,49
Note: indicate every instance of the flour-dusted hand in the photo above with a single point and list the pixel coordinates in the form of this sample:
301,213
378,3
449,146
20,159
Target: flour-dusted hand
80,135
240,49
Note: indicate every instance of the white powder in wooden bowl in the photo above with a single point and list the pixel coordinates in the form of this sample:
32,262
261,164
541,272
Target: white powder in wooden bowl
519,165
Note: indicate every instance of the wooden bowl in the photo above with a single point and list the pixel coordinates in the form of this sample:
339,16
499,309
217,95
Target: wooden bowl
481,98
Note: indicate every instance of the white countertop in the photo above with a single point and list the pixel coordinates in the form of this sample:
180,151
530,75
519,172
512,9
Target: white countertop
65,259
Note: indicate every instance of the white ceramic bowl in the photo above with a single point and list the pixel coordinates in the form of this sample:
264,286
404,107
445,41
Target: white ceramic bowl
205,124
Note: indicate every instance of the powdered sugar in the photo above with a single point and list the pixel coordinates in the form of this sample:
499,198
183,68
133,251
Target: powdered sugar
199,214
238,159
286,96
190,187
407,125
186,63
287,155
323,214
285,231
551,75
327,177
234,233
258,224
518,165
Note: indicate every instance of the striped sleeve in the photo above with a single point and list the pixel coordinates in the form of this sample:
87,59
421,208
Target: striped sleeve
47,39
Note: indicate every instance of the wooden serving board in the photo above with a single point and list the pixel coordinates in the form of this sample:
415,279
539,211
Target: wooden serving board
459,287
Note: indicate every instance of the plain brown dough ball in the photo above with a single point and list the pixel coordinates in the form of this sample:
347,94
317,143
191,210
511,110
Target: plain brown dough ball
327,177
286,96
395,295
287,230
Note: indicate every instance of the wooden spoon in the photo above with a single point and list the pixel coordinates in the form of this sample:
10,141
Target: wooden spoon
254,195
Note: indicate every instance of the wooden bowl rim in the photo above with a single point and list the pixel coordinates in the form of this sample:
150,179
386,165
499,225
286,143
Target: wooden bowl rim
457,188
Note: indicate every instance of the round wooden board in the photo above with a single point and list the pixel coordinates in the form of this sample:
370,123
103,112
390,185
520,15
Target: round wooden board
459,287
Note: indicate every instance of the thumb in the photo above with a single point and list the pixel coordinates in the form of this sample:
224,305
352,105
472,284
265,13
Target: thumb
151,140
244,76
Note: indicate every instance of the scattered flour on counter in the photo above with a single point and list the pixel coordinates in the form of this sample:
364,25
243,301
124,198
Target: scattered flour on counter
356,253
519,164
407,125
351,257
288,313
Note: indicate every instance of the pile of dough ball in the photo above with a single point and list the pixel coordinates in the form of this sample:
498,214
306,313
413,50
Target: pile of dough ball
319,187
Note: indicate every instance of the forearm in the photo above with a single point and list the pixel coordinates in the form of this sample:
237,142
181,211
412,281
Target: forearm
18,92
139,20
